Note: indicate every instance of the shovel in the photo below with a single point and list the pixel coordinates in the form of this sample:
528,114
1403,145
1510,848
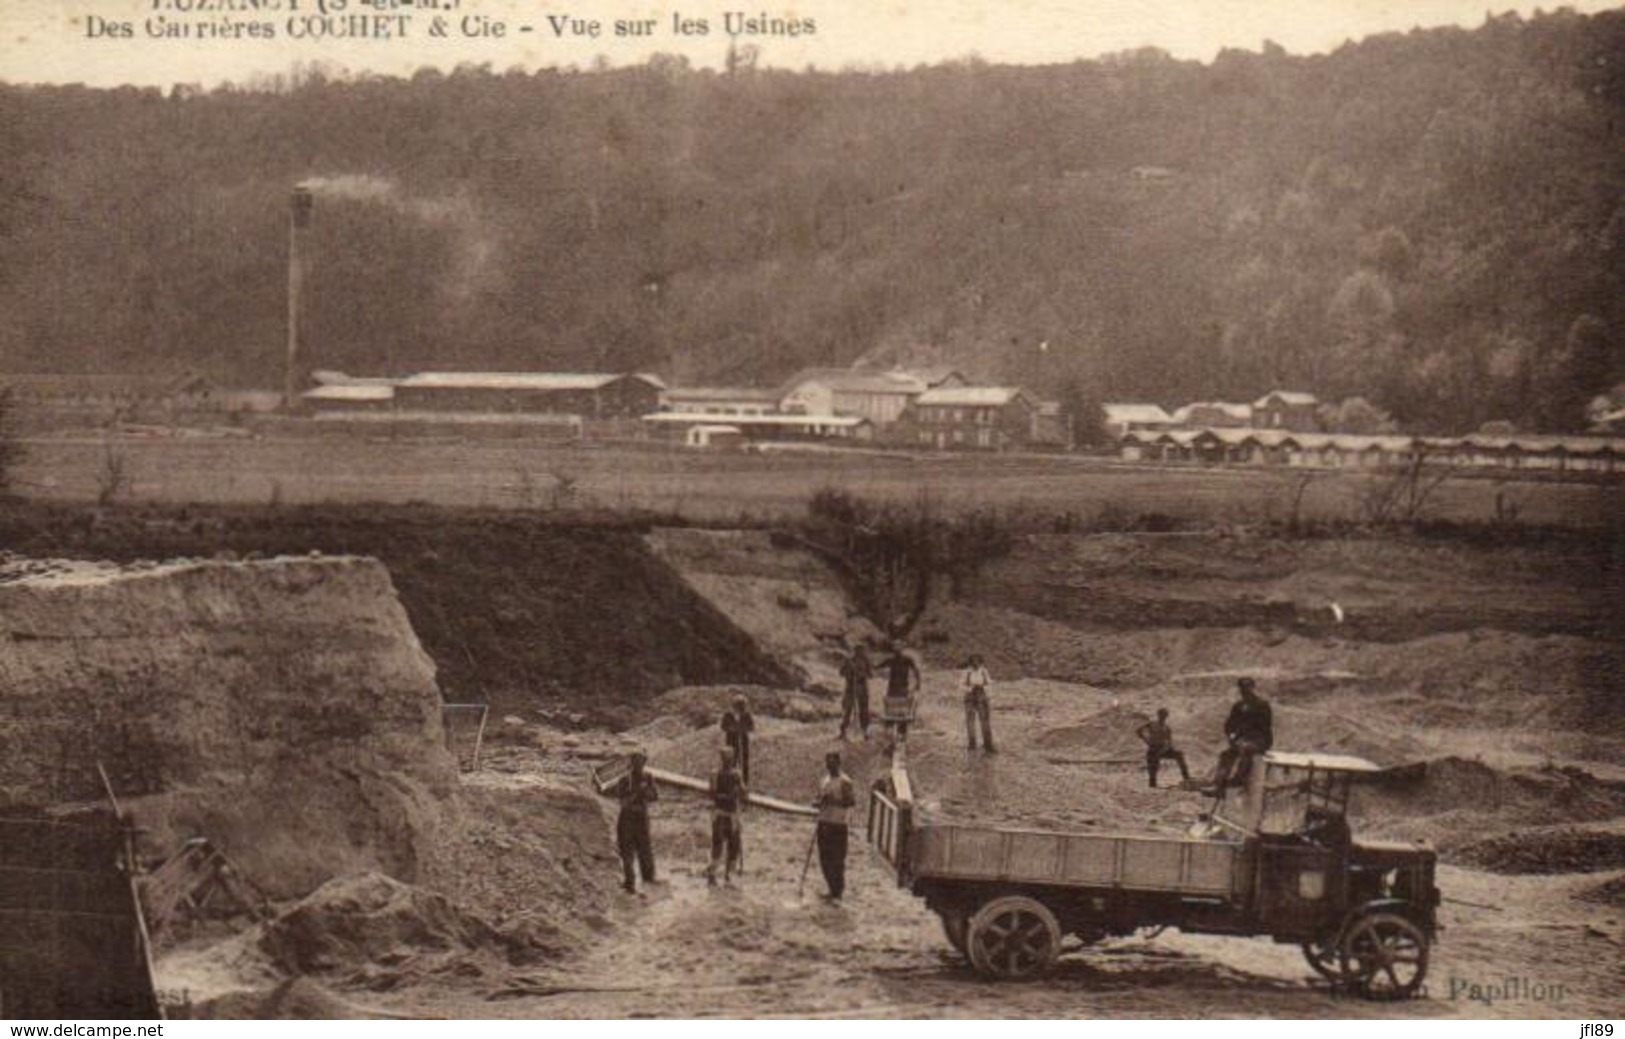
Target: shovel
801,889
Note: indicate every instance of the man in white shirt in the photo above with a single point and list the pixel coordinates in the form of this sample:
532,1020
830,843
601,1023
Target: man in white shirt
975,683
834,804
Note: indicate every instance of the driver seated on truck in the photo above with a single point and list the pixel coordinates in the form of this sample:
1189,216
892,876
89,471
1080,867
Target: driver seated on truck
1249,730
1326,828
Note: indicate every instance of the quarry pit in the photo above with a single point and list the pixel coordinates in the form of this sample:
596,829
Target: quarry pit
276,684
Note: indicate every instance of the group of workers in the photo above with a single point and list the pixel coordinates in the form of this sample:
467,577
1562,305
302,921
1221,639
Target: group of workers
1248,730
902,673
729,792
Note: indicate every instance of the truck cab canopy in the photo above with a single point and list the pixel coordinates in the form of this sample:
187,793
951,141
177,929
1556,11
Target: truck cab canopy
1282,789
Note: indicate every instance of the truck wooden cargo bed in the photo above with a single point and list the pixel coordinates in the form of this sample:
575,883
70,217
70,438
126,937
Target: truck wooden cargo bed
925,849
1145,863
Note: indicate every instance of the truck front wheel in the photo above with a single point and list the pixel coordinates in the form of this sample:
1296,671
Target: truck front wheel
1013,938
1384,956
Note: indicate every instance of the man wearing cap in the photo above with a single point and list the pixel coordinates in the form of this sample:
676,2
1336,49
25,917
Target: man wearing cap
636,791
737,725
727,802
1250,731
834,804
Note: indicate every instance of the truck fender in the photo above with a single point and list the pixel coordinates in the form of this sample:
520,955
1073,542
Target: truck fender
1397,906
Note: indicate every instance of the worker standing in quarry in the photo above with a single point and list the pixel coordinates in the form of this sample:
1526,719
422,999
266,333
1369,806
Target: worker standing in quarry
727,832
1158,737
737,726
976,681
902,685
636,792
857,670
834,804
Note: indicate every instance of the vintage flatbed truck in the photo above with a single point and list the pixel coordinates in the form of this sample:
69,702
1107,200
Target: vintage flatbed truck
1275,860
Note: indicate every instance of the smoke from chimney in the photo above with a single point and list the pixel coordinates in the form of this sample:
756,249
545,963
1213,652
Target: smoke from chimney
475,247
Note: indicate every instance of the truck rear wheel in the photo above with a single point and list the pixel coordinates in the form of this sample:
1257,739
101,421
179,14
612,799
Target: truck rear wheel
1013,938
1322,956
1384,956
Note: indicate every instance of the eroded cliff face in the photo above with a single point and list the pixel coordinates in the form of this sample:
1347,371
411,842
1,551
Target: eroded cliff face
283,708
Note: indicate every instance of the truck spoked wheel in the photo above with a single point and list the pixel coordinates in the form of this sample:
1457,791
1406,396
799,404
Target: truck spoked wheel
954,926
1322,956
1384,956
1013,937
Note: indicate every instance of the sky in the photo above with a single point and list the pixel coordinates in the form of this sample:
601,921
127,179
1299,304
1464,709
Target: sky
65,41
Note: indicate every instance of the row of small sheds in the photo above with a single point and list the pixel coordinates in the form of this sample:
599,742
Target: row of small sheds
1353,451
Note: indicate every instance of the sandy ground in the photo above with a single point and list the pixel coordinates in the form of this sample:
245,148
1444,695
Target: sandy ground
763,949
1496,668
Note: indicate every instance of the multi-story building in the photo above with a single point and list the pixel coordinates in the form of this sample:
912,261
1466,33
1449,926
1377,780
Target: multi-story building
987,418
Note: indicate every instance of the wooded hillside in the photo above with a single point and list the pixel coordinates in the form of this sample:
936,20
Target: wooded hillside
1434,220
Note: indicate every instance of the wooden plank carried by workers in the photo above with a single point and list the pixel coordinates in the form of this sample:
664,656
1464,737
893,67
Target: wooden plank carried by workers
608,774
772,804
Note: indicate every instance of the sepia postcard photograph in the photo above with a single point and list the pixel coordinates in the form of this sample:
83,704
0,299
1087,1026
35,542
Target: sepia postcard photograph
812,510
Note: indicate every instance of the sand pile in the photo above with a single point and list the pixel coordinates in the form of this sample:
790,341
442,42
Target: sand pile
1458,800
371,931
1547,851
282,708
300,999
520,877
737,926
534,856
1502,678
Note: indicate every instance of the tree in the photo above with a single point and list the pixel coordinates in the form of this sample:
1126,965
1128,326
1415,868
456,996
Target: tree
1082,402
1403,494
893,558
1586,364
1355,415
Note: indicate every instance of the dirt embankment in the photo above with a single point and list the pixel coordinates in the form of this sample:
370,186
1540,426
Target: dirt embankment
516,611
1388,588
283,708
783,597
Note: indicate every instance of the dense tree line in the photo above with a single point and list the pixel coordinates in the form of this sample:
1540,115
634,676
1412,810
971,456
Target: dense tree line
1433,221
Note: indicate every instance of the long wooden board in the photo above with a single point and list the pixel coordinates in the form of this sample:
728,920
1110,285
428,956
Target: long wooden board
606,775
